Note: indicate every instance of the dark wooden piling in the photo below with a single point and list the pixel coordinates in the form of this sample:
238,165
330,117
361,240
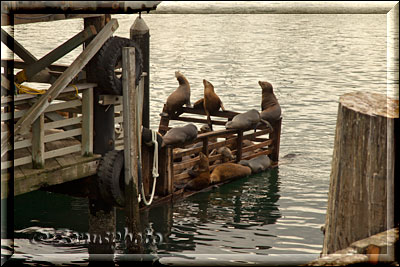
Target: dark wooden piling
102,216
362,175
140,33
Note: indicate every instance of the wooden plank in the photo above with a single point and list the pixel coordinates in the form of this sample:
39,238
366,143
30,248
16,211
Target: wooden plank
55,175
256,146
5,83
32,69
62,135
22,144
62,151
63,105
62,123
8,116
223,114
196,120
79,63
187,152
239,143
87,122
262,152
38,143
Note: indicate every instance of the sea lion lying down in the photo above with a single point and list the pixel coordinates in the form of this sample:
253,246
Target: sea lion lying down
227,171
180,135
257,164
247,120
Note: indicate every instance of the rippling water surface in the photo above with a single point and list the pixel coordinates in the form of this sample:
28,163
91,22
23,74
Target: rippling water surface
310,59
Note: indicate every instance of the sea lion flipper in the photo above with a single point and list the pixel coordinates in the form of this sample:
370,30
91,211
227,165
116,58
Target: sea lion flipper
222,105
268,124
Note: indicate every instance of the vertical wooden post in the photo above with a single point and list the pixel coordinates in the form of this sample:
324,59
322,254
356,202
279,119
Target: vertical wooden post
164,181
38,143
205,146
140,33
87,122
276,139
132,130
362,173
239,145
164,122
102,217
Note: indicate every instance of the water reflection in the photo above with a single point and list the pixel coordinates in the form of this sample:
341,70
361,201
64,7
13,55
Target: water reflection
205,219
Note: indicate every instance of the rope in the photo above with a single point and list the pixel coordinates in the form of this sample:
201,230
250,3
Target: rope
23,89
154,171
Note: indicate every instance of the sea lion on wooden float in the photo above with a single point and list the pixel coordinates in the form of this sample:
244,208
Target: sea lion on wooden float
211,101
179,135
247,120
257,164
227,171
203,175
271,110
179,97
226,154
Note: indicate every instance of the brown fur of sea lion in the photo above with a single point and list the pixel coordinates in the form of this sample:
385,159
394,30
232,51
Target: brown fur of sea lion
203,175
271,110
180,135
179,97
211,102
227,171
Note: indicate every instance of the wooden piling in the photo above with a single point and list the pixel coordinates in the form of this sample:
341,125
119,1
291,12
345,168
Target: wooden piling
132,126
362,174
102,216
140,33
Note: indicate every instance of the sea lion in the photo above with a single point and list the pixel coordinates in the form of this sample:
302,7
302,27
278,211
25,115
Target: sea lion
179,97
203,175
271,110
244,121
226,154
211,101
227,171
180,135
257,164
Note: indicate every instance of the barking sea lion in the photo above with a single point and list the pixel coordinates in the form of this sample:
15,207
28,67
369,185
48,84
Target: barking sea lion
180,135
227,171
271,110
179,97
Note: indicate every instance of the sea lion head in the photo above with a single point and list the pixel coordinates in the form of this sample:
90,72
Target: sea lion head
181,78
205,128
266,87
203,164
208,85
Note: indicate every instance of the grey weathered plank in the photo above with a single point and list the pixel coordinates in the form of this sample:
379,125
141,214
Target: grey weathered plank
79,63
62,135
38,143
56,54
87,122
62,123
62,151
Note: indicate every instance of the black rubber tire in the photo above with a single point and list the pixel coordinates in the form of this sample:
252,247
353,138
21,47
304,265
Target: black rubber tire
107,59
111,178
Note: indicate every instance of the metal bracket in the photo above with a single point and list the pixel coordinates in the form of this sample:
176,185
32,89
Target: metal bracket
106,100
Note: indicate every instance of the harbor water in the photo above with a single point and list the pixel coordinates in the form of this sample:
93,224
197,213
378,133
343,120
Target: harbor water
275,216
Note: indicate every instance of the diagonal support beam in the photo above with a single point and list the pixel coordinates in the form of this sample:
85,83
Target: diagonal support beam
23,53
79,63
56,54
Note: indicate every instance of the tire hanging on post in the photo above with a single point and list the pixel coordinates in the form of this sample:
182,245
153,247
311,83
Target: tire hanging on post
109,58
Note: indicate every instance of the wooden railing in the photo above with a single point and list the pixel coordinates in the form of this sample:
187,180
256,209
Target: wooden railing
53,134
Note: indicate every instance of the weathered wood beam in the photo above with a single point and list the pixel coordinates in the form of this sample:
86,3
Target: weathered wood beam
27,73
79,63
132,130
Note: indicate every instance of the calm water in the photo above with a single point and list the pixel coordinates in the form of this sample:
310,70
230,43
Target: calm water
310,59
